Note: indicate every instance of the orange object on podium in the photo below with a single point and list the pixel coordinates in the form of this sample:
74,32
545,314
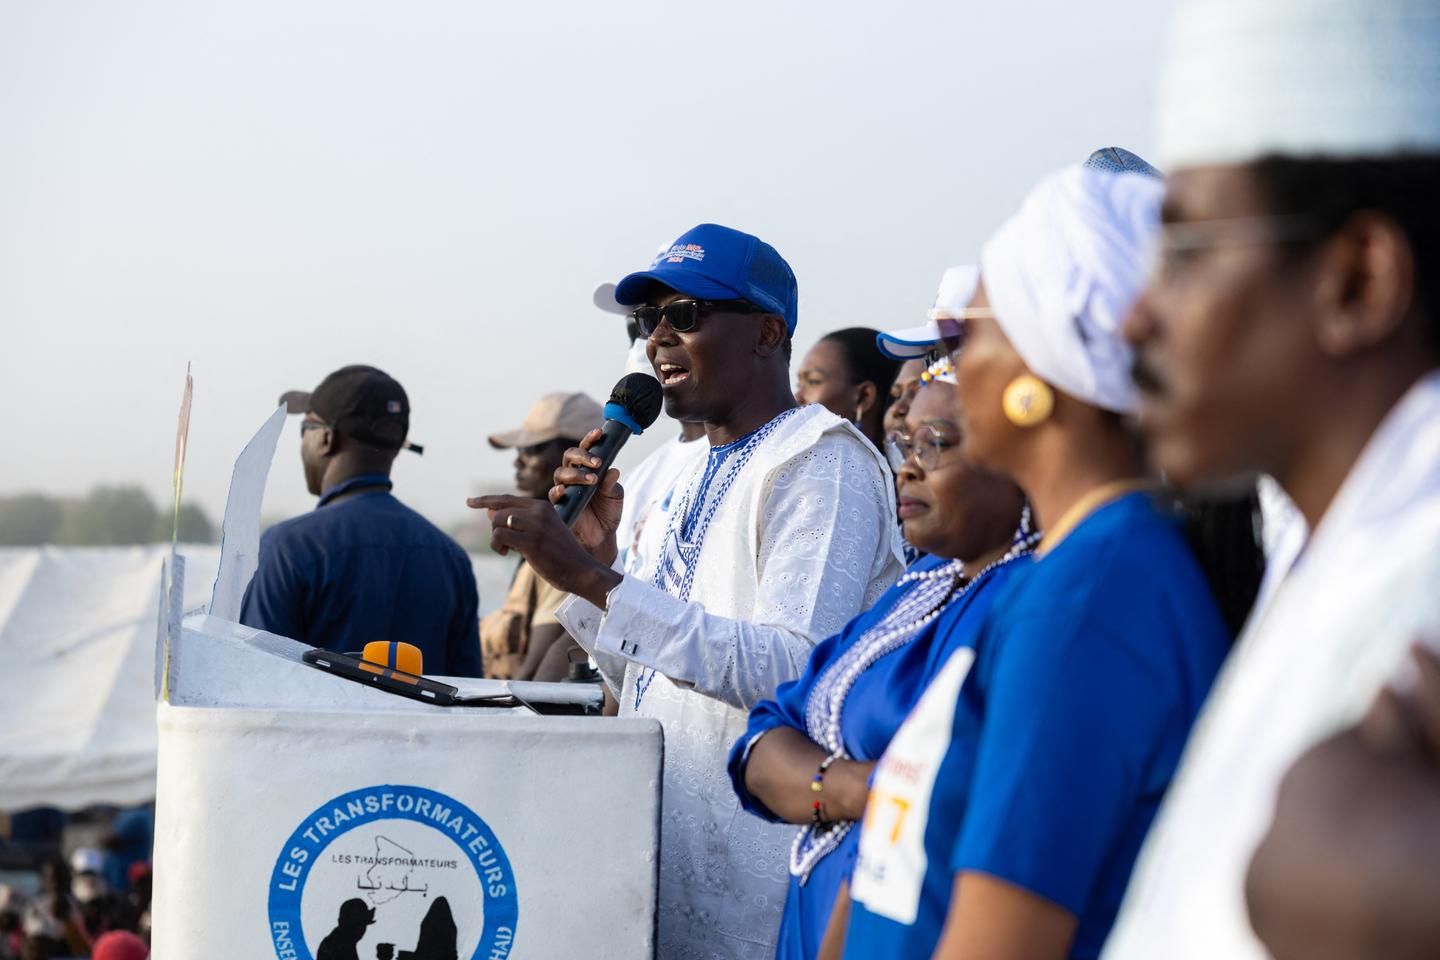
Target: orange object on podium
400,657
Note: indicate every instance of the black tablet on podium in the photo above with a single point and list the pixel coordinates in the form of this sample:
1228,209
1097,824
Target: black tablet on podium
387,679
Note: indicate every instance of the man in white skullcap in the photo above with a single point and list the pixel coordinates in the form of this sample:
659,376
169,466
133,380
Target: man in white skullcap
1293,328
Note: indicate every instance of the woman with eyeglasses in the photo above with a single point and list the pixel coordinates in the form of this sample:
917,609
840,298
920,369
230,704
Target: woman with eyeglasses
806,754
1005,817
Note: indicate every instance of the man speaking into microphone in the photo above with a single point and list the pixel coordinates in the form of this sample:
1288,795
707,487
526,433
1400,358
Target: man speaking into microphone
774,541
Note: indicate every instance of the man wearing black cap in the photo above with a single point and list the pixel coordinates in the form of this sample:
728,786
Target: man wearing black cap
363,566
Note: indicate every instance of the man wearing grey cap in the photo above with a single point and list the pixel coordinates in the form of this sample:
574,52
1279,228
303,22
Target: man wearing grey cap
523,640
1291,329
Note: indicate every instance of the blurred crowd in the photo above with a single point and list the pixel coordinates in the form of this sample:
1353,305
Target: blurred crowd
95,903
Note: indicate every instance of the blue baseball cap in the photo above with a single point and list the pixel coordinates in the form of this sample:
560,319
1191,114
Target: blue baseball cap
712,262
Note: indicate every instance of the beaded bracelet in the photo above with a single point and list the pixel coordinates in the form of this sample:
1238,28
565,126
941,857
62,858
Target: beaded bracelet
817,784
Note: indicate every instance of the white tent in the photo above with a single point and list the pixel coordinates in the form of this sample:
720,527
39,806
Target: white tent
77,639
77,644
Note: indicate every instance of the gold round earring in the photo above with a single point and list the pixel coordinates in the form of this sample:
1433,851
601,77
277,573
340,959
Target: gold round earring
1028,401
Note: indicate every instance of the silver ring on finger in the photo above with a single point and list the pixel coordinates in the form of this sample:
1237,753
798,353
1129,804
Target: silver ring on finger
510,522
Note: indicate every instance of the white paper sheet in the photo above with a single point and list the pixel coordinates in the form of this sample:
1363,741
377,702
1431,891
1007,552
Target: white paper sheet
240,533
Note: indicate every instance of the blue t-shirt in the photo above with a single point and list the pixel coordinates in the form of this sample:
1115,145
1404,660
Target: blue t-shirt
1041,756
874,709
367,568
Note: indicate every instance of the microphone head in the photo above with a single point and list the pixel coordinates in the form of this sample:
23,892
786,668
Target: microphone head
641,397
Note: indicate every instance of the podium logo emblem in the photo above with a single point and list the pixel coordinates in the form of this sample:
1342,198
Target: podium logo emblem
392,872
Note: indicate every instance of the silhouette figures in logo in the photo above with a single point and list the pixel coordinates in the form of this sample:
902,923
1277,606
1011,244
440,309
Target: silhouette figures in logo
355,918
437,939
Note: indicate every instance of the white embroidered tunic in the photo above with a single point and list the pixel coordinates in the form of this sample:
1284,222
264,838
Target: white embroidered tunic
1335,628
648,493
802,541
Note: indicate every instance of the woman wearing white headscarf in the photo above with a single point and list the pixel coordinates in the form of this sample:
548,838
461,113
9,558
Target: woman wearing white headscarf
1005,816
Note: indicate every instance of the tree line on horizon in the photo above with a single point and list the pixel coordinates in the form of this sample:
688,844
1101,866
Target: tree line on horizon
106,516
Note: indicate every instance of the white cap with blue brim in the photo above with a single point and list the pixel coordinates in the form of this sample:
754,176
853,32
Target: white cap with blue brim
957,286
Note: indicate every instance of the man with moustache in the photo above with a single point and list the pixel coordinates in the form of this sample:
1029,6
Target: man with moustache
1291,330
780,535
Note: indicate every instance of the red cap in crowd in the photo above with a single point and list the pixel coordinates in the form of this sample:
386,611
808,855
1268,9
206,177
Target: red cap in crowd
120,945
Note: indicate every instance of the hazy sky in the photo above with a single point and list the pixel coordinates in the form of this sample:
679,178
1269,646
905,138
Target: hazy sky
271,190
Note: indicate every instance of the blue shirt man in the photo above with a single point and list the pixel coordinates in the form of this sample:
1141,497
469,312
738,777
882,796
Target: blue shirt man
363,566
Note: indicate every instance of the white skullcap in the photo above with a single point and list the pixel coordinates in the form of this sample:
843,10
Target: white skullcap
1063,272
957,286
1304,78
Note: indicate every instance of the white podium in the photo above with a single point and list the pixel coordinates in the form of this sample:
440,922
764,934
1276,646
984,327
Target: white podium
303,816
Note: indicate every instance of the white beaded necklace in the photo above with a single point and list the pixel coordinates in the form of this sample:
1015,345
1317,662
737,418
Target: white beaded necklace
912,613
690,522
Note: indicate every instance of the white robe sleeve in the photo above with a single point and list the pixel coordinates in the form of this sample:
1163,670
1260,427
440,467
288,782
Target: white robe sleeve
581,619
826,529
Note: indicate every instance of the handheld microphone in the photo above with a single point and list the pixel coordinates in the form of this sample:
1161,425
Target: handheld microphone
634,405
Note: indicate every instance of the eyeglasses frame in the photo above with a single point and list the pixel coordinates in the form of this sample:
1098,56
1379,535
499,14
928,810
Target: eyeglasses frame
913,447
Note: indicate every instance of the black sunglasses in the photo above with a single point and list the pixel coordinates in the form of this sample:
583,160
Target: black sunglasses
684,315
